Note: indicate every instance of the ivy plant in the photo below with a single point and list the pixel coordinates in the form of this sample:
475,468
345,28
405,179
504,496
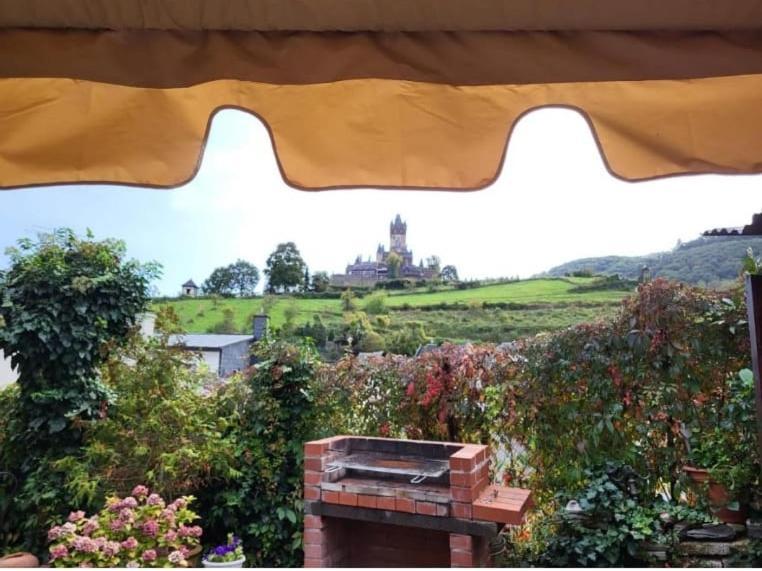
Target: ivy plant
63,300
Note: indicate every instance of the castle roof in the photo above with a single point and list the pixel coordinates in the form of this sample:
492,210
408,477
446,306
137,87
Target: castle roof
398,226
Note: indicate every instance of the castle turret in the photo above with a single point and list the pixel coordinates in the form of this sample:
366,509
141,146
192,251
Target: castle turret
398,236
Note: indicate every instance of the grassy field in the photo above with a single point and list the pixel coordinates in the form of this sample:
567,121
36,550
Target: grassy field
546,305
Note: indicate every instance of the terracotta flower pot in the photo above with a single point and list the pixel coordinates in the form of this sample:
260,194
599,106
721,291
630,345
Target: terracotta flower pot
21,559
718,496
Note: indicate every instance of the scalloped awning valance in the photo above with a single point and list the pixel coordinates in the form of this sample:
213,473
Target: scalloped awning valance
373,93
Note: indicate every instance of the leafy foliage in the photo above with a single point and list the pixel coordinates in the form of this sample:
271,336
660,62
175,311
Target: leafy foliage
285,268
164,430
63,299
240,278
277,415
615,516
65,304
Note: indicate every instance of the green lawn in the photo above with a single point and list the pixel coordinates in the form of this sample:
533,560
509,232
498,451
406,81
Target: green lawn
557,307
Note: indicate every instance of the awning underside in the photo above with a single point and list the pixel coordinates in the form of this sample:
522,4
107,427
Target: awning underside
381,109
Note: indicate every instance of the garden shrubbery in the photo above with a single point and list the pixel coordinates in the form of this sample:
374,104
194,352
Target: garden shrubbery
604,413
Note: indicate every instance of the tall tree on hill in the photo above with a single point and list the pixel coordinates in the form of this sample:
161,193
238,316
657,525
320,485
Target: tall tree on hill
285,268
320,282
240,278
394,263
449,274
306,286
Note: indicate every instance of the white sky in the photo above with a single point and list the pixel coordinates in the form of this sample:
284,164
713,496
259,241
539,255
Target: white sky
554,202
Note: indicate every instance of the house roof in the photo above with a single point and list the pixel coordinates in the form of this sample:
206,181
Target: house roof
207,341
190,283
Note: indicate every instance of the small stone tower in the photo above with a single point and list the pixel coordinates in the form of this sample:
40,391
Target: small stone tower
190,289
398,235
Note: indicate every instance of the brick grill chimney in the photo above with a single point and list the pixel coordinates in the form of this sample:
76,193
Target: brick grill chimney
401,503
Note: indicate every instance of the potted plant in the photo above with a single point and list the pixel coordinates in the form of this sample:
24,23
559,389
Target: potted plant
229,554
141,530
723,457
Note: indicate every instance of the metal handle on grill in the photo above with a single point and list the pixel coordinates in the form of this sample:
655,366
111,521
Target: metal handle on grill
418,479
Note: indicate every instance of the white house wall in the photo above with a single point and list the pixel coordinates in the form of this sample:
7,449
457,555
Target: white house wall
7,374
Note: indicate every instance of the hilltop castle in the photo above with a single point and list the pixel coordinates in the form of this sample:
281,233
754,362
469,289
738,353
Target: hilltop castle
368,273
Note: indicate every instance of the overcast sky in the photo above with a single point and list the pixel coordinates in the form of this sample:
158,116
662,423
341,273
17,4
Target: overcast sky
554,202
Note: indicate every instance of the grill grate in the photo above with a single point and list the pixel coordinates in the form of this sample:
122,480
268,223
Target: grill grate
414,467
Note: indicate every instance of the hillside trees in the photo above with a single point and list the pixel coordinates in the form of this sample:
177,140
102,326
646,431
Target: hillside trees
285,268
449,274
320,282
240,278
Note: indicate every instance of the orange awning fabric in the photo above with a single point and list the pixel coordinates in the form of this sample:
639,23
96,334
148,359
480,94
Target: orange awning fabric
373,93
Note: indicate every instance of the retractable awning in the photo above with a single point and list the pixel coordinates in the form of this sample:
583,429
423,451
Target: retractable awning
373,93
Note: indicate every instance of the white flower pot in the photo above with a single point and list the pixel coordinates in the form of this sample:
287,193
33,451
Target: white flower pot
236,563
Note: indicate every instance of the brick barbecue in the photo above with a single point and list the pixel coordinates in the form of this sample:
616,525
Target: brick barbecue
382,502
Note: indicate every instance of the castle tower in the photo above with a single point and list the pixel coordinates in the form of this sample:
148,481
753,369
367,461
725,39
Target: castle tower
380,254
398,236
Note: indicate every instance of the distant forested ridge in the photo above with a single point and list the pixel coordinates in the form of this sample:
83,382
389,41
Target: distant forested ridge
706,261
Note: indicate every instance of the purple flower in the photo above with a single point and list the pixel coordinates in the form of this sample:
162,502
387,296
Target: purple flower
140,491
117,525
85,544
149,555
127,515
155,500
130,543
111,548
150,528
76,516
91,525
129,502
58,551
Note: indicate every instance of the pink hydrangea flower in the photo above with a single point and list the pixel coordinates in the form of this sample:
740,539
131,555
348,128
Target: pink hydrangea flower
196,531
140,491
127,515
129,502
176,557
169,515
58,551
76,516
85,544
68,527
179,503
55,533
132,564
149,555
117,525
113,504
111,548
130,543
91,525
155,500
150,528
170,536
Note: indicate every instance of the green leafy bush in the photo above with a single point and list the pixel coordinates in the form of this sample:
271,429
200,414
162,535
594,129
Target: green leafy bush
278,414
65,304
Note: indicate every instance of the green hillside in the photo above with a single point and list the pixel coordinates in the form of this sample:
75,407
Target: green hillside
497,312
706,261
